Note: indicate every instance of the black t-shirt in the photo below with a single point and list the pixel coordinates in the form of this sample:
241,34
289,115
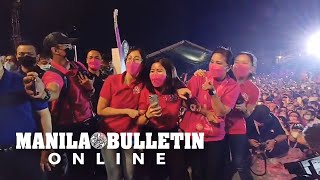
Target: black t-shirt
97,84
269,131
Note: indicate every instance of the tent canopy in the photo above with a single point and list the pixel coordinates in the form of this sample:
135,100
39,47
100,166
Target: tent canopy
184,52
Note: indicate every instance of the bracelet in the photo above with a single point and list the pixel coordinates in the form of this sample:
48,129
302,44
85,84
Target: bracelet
48,95
148,119
275,141
145,115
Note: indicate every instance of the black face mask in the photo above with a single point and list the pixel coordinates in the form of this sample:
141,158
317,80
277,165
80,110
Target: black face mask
70,54
27,61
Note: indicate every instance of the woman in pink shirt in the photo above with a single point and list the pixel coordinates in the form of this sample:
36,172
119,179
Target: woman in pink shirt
159,105
118,107
244,66
216,93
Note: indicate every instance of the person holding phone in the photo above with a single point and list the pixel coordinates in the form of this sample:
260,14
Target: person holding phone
216,93
243,68
159,107
118,105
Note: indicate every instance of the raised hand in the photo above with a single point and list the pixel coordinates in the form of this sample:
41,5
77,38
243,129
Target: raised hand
85,82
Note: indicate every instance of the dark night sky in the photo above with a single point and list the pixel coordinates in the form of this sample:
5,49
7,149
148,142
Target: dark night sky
262,26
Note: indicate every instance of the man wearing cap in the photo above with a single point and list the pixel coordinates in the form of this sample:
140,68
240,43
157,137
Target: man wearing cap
69,89
264,129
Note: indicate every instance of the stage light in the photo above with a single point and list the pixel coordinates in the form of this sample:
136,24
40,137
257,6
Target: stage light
313,45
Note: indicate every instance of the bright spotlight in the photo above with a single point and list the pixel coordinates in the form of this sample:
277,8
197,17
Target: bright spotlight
313,45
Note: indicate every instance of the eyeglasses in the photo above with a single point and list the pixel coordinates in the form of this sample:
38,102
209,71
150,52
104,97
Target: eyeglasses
66,46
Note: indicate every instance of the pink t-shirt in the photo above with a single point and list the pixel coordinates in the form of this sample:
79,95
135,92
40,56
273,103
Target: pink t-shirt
170,106
75,107
120,96
235,122
228,90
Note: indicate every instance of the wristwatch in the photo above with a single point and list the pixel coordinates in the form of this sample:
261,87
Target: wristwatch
48,95
212,92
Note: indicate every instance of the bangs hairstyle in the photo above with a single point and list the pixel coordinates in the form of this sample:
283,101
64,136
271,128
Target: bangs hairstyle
252,57
169,87
226,52
253,60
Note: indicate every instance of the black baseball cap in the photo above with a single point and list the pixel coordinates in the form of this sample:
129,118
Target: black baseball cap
55,38
261,113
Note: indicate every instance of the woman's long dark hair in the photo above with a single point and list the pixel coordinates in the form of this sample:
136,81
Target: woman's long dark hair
226,52
169,86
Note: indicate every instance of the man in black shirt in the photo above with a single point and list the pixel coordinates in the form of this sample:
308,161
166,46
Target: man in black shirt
94,61
265,133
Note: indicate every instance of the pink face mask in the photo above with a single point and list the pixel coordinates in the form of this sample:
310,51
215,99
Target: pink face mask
94,64
241,70
158,80
133,68
216,71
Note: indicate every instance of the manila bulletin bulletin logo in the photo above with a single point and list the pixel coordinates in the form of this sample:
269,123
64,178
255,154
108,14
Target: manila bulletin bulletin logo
66,141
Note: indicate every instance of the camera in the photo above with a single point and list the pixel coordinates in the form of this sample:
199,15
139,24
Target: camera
240,100
192,104
261,148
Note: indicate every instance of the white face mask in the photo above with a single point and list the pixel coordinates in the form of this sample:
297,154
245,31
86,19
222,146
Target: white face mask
45,67
9,66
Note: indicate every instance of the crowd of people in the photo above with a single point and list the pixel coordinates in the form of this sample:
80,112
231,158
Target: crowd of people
243,116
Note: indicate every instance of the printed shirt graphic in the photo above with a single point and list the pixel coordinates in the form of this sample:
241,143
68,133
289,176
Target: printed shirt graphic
228,91
120,96
170,106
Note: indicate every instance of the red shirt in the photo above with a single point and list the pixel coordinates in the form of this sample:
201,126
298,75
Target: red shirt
228,90
170,106
120,96
235,121
75,107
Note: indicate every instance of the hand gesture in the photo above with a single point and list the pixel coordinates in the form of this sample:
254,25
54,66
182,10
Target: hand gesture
270,144
33,82
44,162
200,73
132,113
241,107
183,92
207,85
213,118
254,143
85,82
154,110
